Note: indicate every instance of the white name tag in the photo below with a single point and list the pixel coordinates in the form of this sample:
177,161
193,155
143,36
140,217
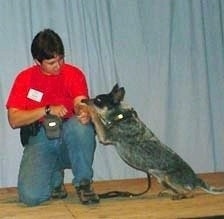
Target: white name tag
35,95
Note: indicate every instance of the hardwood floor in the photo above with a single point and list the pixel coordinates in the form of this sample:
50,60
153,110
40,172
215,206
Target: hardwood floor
202,205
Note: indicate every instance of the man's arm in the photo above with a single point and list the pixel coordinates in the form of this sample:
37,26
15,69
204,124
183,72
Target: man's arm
18,117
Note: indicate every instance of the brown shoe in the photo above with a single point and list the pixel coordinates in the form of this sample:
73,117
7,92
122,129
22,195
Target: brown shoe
59,192
86,194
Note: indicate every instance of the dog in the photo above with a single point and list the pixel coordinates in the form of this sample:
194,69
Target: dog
118,124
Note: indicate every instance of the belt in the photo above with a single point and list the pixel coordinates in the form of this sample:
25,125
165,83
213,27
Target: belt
40,122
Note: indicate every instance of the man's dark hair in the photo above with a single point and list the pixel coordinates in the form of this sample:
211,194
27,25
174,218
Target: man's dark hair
46,45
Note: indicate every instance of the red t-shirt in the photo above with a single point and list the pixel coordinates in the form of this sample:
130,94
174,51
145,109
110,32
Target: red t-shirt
32,89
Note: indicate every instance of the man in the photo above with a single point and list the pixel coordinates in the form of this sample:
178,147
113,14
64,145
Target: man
44,103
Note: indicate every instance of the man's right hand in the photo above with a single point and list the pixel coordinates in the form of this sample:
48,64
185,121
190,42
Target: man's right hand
59,110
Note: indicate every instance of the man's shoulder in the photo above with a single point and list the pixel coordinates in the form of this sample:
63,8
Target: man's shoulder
72,68
26,72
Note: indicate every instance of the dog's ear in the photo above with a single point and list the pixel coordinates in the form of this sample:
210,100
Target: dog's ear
118,96
115,88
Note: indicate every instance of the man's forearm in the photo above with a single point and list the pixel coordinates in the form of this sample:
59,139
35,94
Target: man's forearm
18,118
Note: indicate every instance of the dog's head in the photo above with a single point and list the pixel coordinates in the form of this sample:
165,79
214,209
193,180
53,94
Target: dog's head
104,102
111,99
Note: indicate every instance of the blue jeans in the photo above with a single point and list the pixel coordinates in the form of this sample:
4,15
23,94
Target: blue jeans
43,161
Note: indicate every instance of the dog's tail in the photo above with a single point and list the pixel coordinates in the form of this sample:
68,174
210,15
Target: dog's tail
208,188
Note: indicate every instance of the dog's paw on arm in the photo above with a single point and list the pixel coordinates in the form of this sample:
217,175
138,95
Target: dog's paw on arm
92,112
82,113
80,108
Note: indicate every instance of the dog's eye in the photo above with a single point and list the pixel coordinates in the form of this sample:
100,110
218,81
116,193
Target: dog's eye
102,100
98,100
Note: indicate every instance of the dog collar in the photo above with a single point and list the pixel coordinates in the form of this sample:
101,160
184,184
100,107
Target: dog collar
118,117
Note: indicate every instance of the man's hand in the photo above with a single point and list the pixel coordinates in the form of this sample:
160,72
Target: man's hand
59,110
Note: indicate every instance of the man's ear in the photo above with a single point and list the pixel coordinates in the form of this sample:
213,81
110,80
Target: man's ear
37,62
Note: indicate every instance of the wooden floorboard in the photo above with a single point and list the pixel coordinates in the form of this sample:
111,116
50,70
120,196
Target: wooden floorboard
202,205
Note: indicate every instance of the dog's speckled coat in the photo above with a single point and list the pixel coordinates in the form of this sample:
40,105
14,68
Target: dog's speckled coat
136,144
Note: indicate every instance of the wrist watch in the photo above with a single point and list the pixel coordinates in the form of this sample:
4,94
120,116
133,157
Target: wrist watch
47,109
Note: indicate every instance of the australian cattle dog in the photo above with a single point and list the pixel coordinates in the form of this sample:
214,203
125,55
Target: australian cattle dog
118,124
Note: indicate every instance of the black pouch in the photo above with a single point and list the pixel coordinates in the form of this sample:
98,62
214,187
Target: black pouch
52,125
27,131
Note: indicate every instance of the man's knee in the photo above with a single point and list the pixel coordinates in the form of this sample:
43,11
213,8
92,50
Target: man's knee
74,125
32,197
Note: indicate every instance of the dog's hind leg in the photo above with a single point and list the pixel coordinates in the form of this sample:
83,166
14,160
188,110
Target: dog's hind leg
171,189
175,191
163,180
170,192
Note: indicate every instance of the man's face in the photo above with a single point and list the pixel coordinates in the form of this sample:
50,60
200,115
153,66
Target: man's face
52,66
